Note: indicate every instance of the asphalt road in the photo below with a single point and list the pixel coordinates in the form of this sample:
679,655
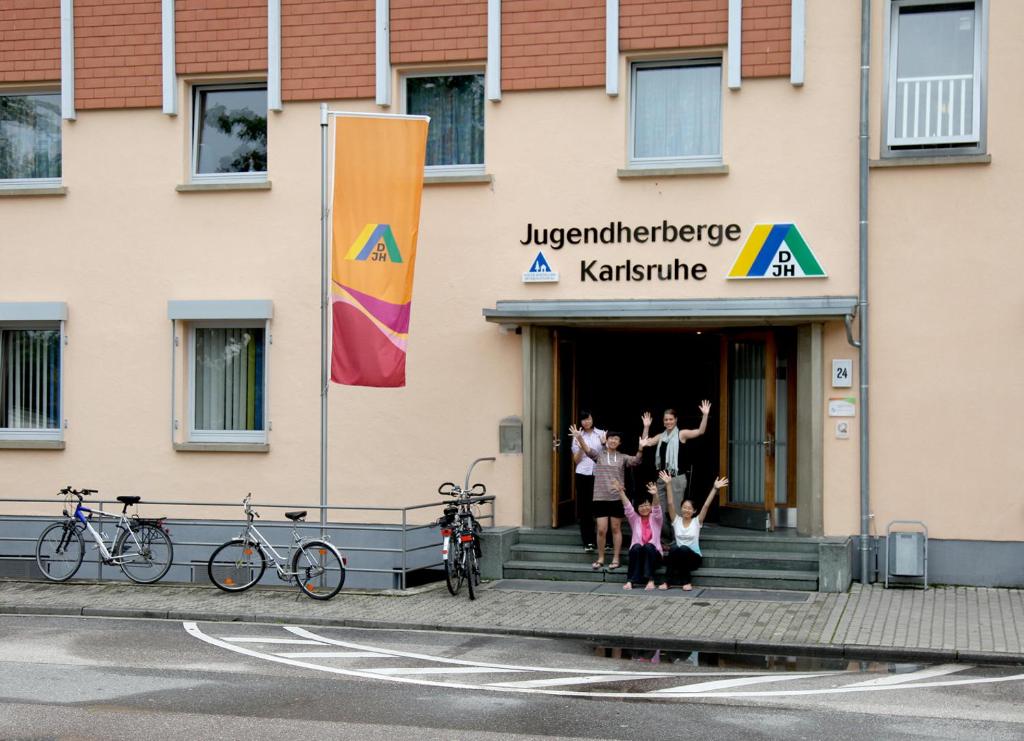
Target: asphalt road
85,678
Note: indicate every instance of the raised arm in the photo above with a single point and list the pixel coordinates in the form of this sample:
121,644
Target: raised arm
719,484
577,436
705,408
646,441
619,489
669,503
577,451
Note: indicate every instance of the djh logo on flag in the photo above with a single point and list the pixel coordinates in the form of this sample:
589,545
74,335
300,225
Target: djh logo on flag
375,243
776,251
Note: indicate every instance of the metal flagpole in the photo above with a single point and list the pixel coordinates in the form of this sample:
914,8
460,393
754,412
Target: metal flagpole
324,306
325,117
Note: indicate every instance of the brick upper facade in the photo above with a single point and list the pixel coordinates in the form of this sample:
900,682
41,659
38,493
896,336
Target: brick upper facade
220,35
29,40
117,54
552,43
438,31
328,47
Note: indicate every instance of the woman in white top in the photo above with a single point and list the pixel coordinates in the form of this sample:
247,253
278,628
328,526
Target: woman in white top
684,556
585,478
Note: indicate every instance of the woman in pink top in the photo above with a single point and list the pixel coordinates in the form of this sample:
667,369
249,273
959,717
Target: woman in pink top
645,551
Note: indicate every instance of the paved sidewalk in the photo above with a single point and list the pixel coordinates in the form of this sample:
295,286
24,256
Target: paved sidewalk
943,624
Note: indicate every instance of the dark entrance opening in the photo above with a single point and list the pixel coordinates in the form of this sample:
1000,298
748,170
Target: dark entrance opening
620,374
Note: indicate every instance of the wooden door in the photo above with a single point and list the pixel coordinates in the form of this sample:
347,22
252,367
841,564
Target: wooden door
563,488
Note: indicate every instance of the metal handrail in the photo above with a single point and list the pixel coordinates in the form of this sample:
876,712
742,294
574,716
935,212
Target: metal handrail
405,528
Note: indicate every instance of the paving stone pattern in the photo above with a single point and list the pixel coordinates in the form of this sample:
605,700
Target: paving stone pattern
947,621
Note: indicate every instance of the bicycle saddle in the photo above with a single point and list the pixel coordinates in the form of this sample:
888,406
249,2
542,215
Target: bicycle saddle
295,516
129,500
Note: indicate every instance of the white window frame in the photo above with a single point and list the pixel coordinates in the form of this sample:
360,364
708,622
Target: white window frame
934,144
647,163
11,433
448,170
223,177
227,436
20,183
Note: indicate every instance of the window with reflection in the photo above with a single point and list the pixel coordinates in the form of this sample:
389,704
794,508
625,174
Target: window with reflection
30,151
230,132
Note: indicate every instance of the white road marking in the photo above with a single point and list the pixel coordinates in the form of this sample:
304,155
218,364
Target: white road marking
332,655
722,684
409,670
567,681
894,679
510,667
292,641
193,629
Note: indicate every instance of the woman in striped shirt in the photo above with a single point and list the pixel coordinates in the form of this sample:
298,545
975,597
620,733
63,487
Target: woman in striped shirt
609,475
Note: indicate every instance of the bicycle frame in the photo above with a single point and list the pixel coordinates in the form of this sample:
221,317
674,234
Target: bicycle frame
283,572
81,514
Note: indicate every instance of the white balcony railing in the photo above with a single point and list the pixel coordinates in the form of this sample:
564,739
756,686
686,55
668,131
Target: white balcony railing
933,110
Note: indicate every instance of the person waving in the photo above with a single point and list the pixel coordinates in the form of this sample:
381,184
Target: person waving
684,557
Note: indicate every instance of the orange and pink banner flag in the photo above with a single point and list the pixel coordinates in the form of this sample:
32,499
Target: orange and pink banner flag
378,184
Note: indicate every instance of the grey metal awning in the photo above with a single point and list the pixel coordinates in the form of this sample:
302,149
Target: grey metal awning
678,312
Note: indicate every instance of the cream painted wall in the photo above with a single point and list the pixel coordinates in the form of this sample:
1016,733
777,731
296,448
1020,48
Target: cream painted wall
946,319
123,243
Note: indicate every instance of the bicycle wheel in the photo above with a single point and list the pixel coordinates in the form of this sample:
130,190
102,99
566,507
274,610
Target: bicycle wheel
472,570
318,569
59,551
453,572
144,554
236,565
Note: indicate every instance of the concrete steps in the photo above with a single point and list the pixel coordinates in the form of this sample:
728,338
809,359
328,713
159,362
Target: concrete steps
731,559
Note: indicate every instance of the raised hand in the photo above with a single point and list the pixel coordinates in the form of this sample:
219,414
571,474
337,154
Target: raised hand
617,486
721,483
646,418
652,489
575,431
664,476
705,406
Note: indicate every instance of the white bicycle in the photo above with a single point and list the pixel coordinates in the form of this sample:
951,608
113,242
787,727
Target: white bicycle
315,565
142,546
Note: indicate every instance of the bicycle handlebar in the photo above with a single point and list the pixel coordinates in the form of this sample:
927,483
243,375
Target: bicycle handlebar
68,491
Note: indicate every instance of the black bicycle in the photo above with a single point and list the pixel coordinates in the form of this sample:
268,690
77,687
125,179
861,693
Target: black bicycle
460,532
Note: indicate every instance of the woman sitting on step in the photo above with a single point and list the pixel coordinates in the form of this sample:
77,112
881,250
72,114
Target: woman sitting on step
684,556
645,551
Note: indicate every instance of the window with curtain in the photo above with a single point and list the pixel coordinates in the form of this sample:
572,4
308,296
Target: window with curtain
676,114
455,104
29,379
230,131
29,137
934,75
228,382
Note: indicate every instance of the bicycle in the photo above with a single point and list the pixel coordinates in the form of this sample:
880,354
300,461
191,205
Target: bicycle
460,532
315,565
142,546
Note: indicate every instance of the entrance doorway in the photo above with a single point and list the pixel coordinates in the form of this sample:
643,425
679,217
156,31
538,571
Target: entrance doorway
749,376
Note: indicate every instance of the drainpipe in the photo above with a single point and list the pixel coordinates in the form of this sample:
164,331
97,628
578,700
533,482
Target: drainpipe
862,297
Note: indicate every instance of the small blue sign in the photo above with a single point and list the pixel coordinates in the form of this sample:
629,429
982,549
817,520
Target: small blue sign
540,271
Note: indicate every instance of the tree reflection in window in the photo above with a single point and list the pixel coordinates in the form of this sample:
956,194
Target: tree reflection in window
30,136
233,131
